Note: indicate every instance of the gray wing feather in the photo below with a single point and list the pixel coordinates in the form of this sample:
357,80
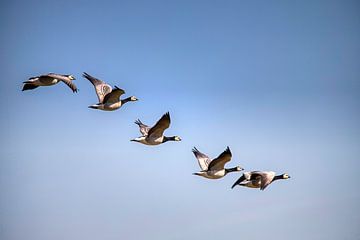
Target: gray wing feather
144,129
113,96
70,84
203,159
219,162
158,129
101,88
265,178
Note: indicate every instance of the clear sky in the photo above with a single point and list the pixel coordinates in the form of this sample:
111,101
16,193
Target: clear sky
276,81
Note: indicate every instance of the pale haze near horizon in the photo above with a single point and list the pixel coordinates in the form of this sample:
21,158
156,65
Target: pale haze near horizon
276,81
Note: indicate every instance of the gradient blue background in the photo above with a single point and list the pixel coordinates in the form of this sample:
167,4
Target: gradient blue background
277,81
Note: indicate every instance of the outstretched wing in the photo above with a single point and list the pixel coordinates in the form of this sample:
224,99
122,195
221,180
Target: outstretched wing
240,180
158,129
114,96
219,162
29,86
144,129
265,178
101,88
203,160
69,83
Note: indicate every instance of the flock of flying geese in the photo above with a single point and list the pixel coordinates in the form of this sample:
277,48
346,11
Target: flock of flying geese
109,100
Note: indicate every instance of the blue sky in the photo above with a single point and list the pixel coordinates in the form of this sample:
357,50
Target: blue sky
277,81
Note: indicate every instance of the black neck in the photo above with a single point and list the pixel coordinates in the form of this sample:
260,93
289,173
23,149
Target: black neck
234,169
278,177
165,139
126,100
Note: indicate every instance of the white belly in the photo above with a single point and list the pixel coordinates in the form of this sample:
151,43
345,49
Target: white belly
46,83
147,141
154,141
111,106
215,174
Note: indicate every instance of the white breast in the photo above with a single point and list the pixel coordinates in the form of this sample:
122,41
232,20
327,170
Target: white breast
154,141
112,106
215,174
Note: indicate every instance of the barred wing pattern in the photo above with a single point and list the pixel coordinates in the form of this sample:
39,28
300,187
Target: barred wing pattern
101,88
203,159
144,129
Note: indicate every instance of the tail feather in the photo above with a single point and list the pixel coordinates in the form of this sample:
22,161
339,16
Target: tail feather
94,106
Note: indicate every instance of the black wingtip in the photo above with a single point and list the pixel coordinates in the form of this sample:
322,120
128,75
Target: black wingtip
240,180
29,86
235,183
138,122
86,75
167,115
227,150
194,150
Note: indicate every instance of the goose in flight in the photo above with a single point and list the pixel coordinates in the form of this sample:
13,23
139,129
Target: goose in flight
109,99
214,169
155,135
48,80
259,179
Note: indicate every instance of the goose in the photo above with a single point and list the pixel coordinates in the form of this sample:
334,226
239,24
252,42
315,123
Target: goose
109,99
259,179
154,135
214,169
48,80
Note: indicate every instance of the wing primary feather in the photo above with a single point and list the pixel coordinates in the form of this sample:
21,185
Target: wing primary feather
160,126
242,178
221,160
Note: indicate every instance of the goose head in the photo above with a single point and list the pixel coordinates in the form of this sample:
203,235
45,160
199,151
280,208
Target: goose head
285,176
173,138
71,77
176,138
133,98
238,169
